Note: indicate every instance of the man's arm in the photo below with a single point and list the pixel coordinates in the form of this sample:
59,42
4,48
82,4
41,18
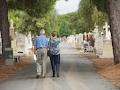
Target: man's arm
34,48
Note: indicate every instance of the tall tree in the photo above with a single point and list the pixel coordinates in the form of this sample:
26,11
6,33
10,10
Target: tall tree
112,7
4,26
35,8
114,17
85,11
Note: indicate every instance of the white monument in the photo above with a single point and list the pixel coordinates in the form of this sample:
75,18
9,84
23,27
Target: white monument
28,44
98,41
81,41
107,43
24,43
77,40
107,33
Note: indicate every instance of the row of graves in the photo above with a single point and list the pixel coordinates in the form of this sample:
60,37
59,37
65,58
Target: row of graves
96,41
21,45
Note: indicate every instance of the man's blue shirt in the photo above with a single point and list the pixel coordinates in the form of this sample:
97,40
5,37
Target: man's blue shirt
41,42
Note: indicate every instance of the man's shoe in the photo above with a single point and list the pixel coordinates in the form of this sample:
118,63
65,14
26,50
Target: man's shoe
37,76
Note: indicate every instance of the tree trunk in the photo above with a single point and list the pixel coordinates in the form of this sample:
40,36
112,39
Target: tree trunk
4,26
114,17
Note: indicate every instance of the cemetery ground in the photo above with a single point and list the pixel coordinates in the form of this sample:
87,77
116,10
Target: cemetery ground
77,73
8,70
106,68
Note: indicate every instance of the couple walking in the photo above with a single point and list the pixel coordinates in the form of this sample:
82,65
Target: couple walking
41,47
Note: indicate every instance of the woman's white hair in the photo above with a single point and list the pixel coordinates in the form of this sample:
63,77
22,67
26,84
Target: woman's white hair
42,31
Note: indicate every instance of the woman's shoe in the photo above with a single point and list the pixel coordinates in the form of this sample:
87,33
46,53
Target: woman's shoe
58,75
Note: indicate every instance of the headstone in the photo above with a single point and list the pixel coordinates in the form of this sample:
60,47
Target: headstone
77,40
107,43
81,41
28,44
9,56
107,33
98,42
24,43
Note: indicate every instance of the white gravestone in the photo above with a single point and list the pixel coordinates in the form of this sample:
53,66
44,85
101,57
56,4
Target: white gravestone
28,44
81,40
20,41
24,43
98,42
107,43
77,40
107,33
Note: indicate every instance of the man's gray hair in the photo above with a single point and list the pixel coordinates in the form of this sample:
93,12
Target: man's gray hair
42,31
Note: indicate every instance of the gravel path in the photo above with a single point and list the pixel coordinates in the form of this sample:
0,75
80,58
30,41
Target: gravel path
77,73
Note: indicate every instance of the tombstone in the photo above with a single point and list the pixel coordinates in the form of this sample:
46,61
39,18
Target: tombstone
98,42
107,34
107,43
28,44
24,43
77,40
81,41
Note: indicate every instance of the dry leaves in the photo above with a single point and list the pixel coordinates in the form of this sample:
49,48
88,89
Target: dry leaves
7,70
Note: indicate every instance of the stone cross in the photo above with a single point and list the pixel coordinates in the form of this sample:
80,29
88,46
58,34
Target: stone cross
106,27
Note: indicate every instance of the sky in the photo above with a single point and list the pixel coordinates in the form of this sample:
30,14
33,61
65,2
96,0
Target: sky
64,7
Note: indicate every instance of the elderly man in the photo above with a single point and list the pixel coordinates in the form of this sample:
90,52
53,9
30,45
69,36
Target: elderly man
41,44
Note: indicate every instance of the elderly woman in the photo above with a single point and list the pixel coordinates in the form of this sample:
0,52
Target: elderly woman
54,45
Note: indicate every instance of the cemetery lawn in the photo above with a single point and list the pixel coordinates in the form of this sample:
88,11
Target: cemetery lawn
106,68
8,70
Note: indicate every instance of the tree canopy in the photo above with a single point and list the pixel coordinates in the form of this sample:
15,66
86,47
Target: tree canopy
30,16
35,8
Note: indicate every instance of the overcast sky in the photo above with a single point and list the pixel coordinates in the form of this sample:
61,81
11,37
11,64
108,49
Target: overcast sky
64,7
